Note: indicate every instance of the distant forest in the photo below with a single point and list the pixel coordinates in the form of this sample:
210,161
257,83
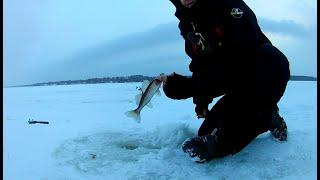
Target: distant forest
133,78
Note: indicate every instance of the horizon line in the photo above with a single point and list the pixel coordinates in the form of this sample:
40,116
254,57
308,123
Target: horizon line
39,83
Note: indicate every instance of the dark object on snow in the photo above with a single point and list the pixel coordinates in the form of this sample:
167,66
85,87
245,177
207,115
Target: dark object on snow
93,156
40,122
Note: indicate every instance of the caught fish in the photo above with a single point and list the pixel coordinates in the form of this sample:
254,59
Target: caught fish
142,89
147,94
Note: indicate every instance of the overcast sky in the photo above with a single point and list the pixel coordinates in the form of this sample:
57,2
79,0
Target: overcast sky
80,39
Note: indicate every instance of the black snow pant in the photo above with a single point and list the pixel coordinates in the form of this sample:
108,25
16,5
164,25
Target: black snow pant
244,112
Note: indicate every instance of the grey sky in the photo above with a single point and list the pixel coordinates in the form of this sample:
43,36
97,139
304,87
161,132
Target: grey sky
61,40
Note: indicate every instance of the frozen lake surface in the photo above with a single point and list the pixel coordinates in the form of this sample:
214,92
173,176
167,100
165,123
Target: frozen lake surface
89,137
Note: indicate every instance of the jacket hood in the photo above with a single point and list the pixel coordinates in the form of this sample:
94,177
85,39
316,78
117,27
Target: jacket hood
181,11
214,6
177,4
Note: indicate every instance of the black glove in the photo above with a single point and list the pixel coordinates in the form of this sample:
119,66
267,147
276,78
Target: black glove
202,110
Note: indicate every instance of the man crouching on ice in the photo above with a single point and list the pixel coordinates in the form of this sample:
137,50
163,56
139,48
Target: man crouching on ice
230,57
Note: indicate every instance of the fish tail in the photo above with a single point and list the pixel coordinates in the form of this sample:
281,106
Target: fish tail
135,114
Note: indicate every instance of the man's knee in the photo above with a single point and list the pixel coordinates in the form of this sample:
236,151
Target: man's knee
178,87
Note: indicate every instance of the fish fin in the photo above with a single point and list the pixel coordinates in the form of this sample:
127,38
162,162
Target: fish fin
150,105
158,92
138,98
144,85
134,114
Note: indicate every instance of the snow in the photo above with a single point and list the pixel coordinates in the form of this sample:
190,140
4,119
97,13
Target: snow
89,137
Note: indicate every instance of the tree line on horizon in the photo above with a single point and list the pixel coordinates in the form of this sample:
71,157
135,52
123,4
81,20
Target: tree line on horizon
133,78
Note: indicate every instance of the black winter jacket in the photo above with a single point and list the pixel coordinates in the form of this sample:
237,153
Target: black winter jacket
231,33
225,33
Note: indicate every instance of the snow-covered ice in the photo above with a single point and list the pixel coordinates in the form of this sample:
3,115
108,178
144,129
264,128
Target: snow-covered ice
89,137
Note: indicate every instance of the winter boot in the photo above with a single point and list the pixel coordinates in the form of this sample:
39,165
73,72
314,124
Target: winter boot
203,148
278,126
